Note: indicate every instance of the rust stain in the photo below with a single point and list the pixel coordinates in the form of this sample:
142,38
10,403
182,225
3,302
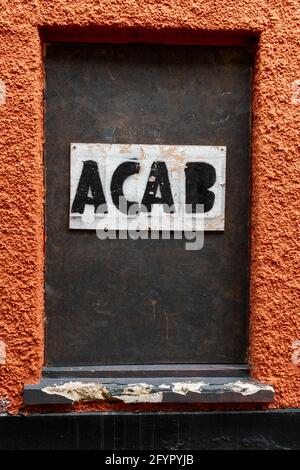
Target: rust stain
125,148
153,302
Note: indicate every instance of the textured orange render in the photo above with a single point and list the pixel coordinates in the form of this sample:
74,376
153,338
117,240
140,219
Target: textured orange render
275,243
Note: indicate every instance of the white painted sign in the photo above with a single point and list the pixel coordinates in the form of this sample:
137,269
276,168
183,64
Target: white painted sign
157,187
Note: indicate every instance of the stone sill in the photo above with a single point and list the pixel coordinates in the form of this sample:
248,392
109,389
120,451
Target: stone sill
67,390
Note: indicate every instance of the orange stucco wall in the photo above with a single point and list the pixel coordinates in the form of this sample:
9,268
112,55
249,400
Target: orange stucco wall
275,240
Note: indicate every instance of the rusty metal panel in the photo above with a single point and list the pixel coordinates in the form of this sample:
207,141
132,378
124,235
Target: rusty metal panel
146,301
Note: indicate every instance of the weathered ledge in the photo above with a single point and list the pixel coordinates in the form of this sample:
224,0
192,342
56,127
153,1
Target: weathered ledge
150,390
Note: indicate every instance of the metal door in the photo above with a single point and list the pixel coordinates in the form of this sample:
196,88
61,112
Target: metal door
146,301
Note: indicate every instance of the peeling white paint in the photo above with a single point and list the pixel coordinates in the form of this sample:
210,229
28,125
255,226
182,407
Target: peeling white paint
184,387
144,398
296,353
79,391
2,352
295,98
246,388
2,92
138,389
140,393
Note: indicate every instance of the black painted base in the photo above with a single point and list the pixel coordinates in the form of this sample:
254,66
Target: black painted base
240,430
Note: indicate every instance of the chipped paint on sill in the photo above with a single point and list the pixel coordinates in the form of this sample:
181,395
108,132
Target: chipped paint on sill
79,391
246,388
93,391
182,388
142,392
